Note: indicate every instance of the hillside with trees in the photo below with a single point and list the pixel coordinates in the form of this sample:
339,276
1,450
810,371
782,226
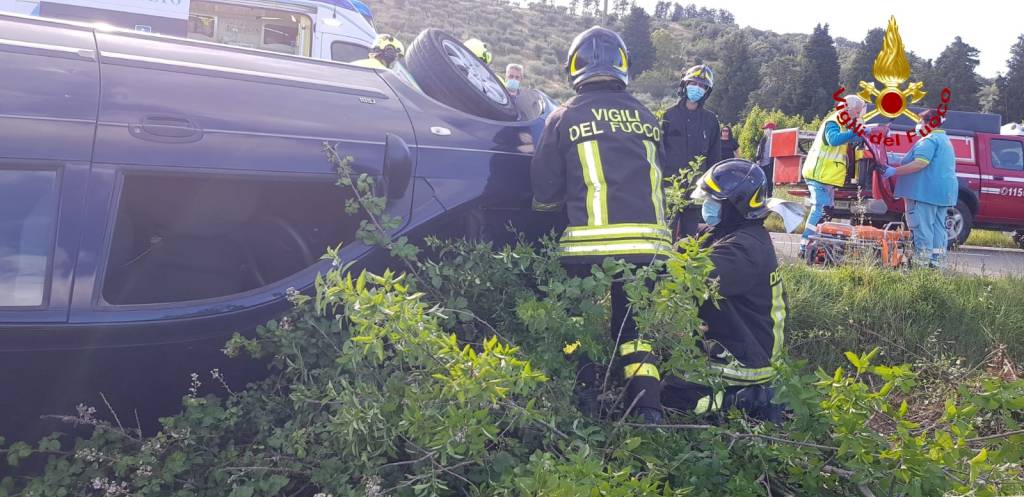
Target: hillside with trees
795,73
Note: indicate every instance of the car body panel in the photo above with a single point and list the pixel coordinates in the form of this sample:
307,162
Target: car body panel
173,108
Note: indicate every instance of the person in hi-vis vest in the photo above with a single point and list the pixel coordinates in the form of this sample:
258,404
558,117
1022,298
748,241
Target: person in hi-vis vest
825,166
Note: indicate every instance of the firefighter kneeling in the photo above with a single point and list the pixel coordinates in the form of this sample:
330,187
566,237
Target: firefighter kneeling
746,327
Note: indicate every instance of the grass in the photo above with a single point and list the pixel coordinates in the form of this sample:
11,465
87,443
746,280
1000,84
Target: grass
917,316
986,238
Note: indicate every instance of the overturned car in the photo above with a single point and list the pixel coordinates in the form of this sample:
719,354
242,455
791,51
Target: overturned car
158,194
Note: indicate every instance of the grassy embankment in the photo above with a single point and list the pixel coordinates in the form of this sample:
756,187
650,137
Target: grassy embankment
919,317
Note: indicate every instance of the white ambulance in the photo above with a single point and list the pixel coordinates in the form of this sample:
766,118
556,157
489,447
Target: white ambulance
340,30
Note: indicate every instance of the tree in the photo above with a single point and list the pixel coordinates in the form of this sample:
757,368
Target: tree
621,7
1009,100
779,82
726,17
661,10
955,69
573,5
819,75
860,68
677,13
737,78
989,94
636,32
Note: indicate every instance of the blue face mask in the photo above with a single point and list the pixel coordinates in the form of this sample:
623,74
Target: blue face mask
711,211
694,92
512,85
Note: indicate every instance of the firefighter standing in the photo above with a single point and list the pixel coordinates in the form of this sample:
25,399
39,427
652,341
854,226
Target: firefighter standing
825,167
385,51
746,328
690,130
598,157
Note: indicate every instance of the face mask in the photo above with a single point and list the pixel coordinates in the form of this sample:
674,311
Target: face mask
512,85
711,211
694,92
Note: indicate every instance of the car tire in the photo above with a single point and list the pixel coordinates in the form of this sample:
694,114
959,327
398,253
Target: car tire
959,222
448,72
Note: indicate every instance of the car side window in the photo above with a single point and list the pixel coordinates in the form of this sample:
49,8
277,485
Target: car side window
193,237
28,223
1008,154
348,52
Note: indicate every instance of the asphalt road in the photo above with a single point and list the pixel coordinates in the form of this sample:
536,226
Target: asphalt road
974,260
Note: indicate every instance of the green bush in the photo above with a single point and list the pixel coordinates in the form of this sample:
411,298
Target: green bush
750,132
450,379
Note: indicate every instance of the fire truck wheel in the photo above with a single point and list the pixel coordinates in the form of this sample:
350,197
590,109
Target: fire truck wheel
959,221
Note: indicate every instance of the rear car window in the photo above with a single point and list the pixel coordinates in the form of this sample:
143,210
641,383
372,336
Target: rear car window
1008,154
183,238
28,222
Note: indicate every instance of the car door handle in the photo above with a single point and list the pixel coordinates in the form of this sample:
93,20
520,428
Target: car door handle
166,129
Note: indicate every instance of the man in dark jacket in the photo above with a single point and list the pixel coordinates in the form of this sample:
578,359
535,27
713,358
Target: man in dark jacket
598,159
746,327
690,130
763,156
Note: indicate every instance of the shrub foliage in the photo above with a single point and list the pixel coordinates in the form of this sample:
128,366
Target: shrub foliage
449,378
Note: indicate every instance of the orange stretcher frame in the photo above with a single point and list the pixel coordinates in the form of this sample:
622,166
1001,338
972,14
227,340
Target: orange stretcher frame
833,242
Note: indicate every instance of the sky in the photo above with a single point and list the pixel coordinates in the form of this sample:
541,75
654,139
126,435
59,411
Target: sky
926,27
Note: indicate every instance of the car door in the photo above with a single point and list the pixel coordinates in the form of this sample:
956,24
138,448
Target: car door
1002,185
221,196
49,99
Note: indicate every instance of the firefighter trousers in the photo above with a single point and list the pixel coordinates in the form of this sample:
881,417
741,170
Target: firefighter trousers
634,355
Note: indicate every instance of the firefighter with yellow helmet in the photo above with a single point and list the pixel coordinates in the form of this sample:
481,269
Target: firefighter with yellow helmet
597,160
386,50
480,49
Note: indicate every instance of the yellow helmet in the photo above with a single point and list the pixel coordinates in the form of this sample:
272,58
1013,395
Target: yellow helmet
386,41
480,49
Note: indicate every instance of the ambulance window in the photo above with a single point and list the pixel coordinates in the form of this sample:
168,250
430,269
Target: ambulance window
28,222
348,52
1008,154
250,27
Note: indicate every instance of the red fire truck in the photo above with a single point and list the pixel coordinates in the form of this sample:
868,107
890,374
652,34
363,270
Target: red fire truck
990,171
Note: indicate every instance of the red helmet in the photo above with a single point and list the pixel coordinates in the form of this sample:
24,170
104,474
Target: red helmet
768,125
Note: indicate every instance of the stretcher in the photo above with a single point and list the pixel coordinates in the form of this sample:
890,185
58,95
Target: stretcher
834,243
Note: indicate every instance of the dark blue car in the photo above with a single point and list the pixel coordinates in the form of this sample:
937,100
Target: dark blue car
158,194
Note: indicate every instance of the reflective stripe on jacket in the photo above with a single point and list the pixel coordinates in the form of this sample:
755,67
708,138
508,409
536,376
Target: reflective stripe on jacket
598,156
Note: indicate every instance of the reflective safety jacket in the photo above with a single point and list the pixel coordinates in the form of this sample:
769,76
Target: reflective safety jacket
747,326
598,158
826,163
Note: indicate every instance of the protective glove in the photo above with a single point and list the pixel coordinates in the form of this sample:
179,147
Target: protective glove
856,140
889,172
